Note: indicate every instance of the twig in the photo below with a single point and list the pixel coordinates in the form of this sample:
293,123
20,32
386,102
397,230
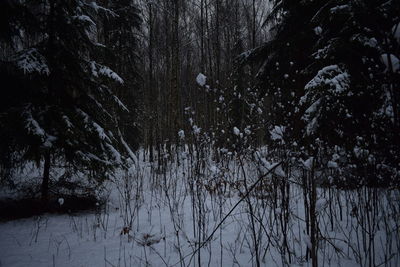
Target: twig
229,213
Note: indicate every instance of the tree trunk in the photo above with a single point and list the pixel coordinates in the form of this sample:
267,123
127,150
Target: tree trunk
52,92
151,85
313,216
46,176
175,90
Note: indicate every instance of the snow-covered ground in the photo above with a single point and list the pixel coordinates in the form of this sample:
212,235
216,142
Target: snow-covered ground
159,218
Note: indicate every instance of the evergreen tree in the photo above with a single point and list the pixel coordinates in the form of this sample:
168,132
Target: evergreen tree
282,61
119,33
329,74
59,100
351,103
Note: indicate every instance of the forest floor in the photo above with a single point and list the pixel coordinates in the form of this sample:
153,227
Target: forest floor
162,218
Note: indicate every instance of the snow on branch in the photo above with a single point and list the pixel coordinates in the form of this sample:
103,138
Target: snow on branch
35,129
107,72
31,61
340,9
33,126
128,149
100,131
67,122
333,76
116,155
89,123
396,32
98,8
311,116
120,104
84,18
330,80
98,69
391,62
84,115
99,105
277,132
91,157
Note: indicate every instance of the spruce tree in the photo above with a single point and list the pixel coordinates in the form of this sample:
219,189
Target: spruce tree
329,73
119,33
59,100
351,102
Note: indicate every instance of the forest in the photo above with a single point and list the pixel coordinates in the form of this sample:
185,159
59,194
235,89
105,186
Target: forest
200,133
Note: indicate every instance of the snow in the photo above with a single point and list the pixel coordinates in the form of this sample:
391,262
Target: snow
181,134
116,155
128,149
96,7
201,79
214,169
307,241
320,204
34,128
165,228
84,18
31,61
364,40
318,30
67,121
332,164
93,68
360,152
48,143
246,54
312,126
279,171
311,117
277,132
236,131
120,104
313,108
396,32
100,131
333,76
196,129
337,9
89,157
100,45
106,71
308,163
372,42
391,62
323,52
98,69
